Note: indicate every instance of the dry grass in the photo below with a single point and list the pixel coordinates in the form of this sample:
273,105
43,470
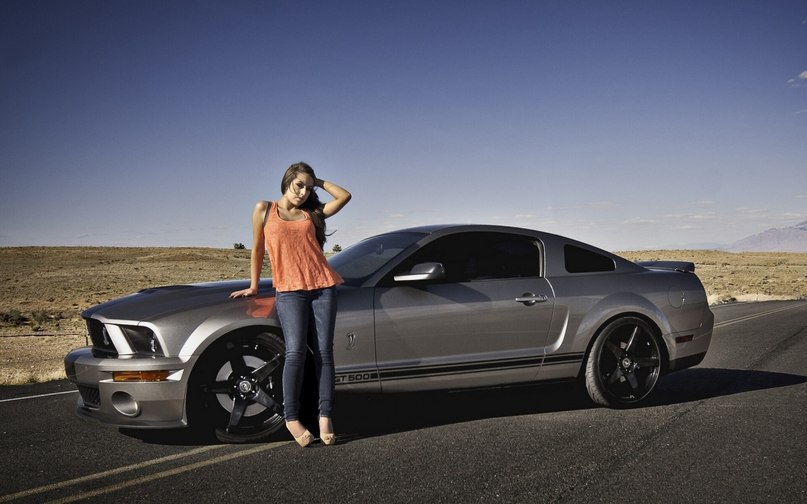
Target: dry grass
43,289
749,276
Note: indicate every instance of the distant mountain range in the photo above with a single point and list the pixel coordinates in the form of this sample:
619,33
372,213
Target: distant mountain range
789,239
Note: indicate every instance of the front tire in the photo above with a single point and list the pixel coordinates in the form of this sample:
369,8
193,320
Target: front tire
624,364
236,389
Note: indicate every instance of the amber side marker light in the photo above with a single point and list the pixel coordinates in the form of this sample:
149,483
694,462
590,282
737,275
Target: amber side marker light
140,376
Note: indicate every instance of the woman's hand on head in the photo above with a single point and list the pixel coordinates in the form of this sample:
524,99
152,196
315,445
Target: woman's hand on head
244,293
340,197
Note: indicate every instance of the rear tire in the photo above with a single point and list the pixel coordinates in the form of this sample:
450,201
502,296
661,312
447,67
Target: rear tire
624,364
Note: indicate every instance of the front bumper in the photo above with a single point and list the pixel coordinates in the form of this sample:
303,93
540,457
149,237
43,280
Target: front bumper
158,404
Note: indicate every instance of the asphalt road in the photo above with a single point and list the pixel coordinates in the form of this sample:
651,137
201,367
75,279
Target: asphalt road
733,429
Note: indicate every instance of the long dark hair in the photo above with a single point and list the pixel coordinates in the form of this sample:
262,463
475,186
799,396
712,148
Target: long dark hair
312,205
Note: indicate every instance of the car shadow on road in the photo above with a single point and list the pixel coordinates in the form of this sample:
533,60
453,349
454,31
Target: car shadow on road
696,384
360,416
378,414
370,415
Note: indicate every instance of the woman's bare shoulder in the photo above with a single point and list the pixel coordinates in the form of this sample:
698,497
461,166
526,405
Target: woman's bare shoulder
262,205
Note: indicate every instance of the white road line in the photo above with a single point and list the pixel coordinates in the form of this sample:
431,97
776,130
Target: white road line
165,474
756,315
36,396
104,474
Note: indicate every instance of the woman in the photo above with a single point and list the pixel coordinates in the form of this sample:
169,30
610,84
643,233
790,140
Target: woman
293,231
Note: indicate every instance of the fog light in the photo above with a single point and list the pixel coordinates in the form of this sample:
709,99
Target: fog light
125,404
140,376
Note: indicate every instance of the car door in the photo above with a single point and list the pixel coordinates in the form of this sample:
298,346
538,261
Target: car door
354,342
482,319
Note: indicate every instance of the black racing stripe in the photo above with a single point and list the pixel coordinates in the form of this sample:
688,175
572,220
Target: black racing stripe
470,367
405,373
569,358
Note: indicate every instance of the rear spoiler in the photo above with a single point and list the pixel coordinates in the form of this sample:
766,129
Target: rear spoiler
683,266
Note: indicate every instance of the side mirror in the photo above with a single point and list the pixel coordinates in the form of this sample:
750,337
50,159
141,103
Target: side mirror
423,271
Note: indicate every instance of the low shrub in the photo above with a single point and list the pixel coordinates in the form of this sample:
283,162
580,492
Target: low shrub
13,317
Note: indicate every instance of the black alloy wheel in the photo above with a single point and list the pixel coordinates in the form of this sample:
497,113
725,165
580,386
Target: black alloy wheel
624,364
237,390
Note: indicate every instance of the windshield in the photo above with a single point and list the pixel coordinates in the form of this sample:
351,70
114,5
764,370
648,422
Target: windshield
358,262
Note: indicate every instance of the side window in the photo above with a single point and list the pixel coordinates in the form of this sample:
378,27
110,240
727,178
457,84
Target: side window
479,256
580,260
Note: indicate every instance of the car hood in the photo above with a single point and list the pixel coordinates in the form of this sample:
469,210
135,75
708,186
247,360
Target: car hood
158,302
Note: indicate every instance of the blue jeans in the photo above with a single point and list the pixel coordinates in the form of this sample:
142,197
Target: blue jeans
296,309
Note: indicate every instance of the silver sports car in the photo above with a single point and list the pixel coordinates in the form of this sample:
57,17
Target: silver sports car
438,307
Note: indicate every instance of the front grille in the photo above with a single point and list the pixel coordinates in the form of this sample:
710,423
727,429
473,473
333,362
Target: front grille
90,395
101,341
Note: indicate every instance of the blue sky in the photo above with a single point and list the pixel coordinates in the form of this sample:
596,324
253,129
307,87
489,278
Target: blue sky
626,124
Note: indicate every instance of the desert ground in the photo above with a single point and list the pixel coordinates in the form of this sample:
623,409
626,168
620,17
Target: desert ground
44,289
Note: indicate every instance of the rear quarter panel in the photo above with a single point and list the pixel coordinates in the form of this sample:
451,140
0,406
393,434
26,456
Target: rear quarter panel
586,302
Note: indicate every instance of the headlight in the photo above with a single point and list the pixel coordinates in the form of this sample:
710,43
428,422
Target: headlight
142,340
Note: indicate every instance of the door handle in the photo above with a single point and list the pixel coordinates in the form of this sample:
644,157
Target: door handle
529,299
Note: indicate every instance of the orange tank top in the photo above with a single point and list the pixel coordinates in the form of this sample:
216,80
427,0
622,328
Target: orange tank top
297,259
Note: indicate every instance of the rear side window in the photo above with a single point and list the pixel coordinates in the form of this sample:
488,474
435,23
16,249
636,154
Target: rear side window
580,260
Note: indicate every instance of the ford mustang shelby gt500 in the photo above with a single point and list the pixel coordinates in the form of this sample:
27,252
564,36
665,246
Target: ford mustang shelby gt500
437,307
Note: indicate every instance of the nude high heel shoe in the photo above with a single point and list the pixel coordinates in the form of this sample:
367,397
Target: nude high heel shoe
303,439
327,438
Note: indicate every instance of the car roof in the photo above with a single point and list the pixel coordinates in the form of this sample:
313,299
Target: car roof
435,228
548,238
